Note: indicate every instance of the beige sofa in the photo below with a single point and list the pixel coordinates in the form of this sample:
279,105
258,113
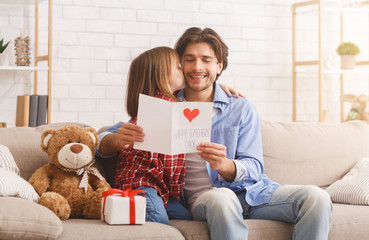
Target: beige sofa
294,153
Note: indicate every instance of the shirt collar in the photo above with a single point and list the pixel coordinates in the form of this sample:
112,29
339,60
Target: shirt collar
219,96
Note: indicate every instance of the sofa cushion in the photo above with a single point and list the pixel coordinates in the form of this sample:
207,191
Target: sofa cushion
312,153
22,219
258,229
12,185
349,222
24,144
7,161
353,188
97,229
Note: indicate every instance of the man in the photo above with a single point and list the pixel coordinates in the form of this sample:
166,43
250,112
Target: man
230,185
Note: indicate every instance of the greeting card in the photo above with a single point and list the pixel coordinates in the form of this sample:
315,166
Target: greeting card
173,127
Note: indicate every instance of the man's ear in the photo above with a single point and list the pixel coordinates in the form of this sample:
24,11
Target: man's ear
45,138
220,67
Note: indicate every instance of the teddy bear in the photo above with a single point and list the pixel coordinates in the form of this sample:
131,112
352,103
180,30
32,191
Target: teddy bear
358,106
68,185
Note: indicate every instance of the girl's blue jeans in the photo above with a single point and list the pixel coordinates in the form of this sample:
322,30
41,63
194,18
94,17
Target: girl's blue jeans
155,210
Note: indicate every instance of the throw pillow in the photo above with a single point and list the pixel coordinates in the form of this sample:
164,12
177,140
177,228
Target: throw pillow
7,161
22,219
12,185
353,188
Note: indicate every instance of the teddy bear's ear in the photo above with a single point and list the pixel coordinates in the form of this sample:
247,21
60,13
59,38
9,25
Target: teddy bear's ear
92,133
92,136
45,138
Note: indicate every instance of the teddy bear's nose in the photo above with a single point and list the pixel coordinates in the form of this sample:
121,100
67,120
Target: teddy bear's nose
76,148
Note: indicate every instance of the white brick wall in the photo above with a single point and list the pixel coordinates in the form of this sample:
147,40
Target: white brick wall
94,42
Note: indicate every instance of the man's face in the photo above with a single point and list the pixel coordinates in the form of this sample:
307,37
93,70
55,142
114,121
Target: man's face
200,66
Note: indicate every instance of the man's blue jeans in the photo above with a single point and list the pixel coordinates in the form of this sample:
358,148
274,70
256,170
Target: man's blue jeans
155,210
308,207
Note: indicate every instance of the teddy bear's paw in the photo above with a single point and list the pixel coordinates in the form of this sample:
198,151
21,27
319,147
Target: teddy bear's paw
92,209
100,190
56,203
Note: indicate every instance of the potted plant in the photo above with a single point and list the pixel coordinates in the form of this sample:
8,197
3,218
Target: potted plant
348,52
4,58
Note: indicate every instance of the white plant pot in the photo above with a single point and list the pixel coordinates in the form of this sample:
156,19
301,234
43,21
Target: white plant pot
4,59
348,62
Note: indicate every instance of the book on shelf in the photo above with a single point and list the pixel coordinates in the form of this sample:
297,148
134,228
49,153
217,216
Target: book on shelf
41,110
22,113
31,110
33,105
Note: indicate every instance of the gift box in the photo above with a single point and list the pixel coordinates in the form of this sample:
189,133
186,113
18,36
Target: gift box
123,207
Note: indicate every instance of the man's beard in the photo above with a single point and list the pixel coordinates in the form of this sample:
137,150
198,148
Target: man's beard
199,89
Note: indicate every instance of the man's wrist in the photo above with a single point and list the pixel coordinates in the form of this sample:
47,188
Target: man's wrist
108,145
229,170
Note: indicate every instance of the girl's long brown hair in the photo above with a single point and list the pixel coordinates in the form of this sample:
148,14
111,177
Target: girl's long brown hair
150,72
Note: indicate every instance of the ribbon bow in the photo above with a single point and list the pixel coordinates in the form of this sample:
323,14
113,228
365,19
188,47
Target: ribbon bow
127,193
85,171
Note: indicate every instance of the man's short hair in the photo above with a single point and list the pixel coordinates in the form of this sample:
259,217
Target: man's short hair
208,35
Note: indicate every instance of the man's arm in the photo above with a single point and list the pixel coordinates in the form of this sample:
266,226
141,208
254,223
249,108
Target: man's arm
119,136
242,163
229,91
109,145
249,151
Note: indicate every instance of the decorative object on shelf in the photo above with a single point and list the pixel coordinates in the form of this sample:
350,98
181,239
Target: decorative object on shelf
22,51
325,114
358,106
348,52
4,57
328,62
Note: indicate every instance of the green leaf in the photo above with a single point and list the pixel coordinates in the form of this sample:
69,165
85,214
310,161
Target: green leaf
348,48
2,46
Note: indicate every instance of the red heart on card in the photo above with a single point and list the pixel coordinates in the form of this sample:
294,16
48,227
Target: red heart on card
190,115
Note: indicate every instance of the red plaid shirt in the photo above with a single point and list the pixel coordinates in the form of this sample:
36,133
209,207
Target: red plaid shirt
165,173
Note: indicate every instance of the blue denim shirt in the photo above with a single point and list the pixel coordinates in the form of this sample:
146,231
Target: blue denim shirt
236,125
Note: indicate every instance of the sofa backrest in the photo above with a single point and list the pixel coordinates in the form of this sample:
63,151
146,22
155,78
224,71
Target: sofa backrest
312,153
24,144
294,153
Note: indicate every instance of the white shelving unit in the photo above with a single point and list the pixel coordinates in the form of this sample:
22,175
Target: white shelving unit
21,68
317,6
38,58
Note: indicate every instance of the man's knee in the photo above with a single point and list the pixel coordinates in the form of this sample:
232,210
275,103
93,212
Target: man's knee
317,197
221,199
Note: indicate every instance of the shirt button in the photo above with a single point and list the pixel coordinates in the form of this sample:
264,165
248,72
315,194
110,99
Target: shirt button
222,183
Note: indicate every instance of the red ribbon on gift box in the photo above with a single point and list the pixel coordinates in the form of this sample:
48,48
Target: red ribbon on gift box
127,193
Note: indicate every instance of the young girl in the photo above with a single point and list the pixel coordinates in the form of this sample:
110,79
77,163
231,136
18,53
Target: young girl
156,72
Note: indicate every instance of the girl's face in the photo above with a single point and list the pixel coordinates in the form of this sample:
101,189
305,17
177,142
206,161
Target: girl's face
177,80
